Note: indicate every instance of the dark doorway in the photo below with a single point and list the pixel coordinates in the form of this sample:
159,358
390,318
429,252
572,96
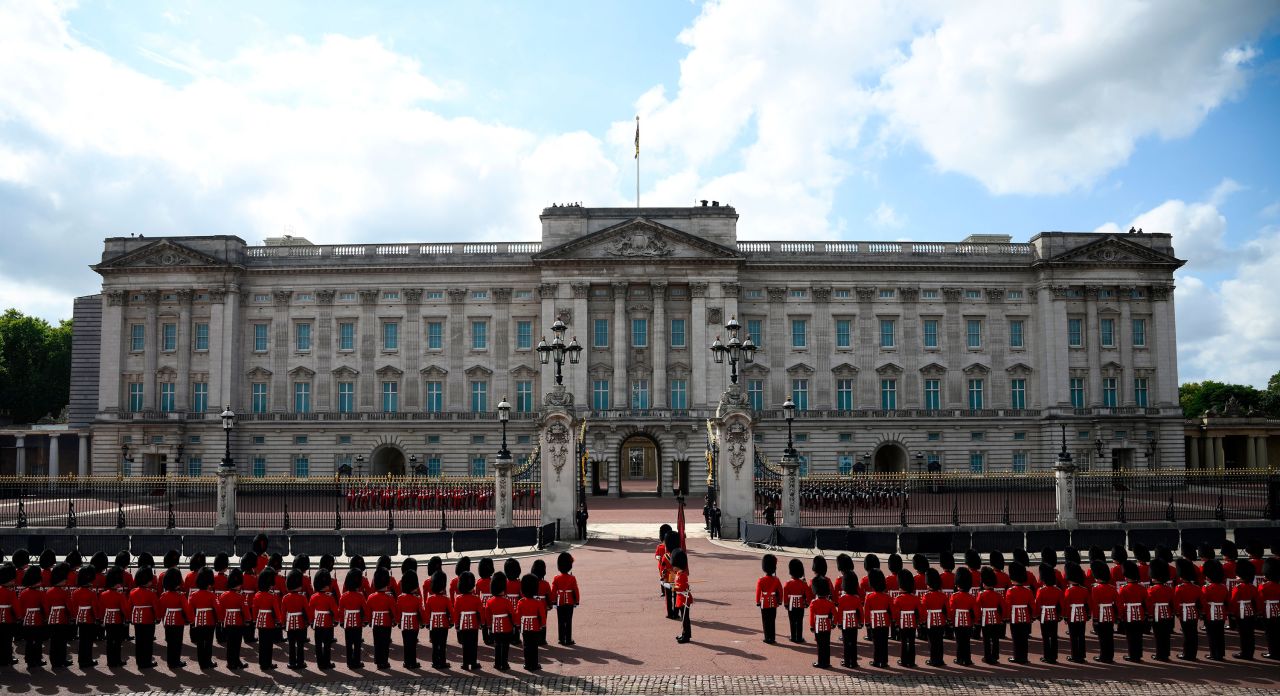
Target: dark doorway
638,466
387,460
890,458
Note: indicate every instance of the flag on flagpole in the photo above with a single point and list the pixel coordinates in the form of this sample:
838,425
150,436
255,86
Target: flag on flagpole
637,137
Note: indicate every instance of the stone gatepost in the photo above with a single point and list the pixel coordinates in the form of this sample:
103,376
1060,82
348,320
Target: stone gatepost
790,490
735,460
502,512
558,444
227,485
1064,479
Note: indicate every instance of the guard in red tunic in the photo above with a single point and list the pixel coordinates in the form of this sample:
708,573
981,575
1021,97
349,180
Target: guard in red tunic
1186,606
906,616
683,592
351,606
195,564
849,616
232,617
249,588
462,566
960,608
990,608
381,608
293,605
500,613
668,572
566,596
84,611
1244,606
1160,608
31,610
175,611
113,603
1213,607
58,616
323,614
921,578
844,564
204,617
8,614
539,570
439,617
268,617
484,572
822,620
142,615
875,610
1102,607
1019,601
1269,597
769,596
796,595
531,614
1048,611
1131,601
410,616
933,608
1076,600
468,615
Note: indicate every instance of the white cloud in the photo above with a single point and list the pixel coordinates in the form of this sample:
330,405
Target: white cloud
885,216
1042,97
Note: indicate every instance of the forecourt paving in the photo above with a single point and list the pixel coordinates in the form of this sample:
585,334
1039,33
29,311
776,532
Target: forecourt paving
626,645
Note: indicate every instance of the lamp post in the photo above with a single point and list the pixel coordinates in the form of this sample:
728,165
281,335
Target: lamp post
227,480
789,410
504,513
124,460
228,424
557,350
790,468
1064,473
735,349
504,415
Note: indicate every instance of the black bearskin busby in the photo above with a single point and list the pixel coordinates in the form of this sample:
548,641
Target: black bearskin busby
795,568
529,586
466,582
769,564
564,562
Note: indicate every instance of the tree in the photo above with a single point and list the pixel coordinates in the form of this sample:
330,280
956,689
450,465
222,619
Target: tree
36,357
1198,397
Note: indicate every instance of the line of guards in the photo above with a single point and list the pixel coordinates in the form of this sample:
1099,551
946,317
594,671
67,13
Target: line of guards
984,602
259,602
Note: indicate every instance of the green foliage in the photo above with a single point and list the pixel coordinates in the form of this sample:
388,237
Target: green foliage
1198,397
35,366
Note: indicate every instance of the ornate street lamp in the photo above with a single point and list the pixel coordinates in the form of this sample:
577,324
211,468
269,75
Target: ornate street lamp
228,424
735,349
359,466
124,459
504,415
789,409
557,350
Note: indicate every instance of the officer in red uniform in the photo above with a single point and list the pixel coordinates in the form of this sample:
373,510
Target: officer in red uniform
462,566
468,615
204,617
31,611
381,608
662,556
1213,607
174,609
1244,606
409,610
844,564
876,607
933,606
796,595
352,614
849,614
1018,603
142,615
293,605
539,570
921,565
990,608
323,615
1269,598
822,620
1048,611
683,593
195,564
1102,608
84,610
1076,603
531,612
439,615
500,613
249,588
769,595
1131,603
960,607
8,614
484,578
58,616
1187,597
1160,608
268,617
566,596
232,617
113,603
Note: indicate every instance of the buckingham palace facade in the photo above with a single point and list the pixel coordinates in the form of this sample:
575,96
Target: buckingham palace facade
900,356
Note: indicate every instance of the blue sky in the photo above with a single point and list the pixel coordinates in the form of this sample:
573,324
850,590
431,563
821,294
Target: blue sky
420,121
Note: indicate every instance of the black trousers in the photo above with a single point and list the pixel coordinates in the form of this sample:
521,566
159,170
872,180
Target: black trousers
115,644
84,652
203,638
582,530
849,637
382,646
880,646
769,618
1021,633
439,638
795,620
248,633
59,636
501,650
1075,633
144,643
686,631
670,598
531,650
991,634
324,647
469,640
297,641
1133,631
964,653
1049,640
34,637
1106,633
715,530
907,654
1163,633
1272,627
564,624
823,638
7,634
1190,638
266,646
232,637
934,636
351,640
173,639
1246,629
1215,631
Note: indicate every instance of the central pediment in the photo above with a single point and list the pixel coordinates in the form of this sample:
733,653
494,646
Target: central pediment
1113,250
639,239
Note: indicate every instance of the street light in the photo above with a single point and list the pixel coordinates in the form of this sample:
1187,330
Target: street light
124,458
557,349
735,349
228,424
359,466
789,408
504,415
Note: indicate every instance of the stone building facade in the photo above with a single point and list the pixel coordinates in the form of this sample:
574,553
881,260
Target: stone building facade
963,356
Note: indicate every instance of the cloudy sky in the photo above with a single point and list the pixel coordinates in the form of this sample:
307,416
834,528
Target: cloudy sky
422,121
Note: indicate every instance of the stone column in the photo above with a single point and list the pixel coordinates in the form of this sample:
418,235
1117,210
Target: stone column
20,456
54,468
82,464
502,511
558,446
227,485
1195,452
776,340
790,491
698,344
735,460
547,294
411,349
1164,342
371,351
182,390
1093,343
1251,452
1219,454
221,347
1124,340
658,393
1064,478
151,353
114,334
578,381
326,350
1262,452
620,374
281,330
821,347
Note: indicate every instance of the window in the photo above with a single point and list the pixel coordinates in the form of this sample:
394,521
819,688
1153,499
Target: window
433,465
886,333
755,294
932,394
934,437
477,466
1077,392
344,439
928,294
844,394
1075,337
258,393
346,397
975,394
844,333
300,439
972,294
479,396
259,338
194,465
167,392
1120,435
976,462
755,330
679,394
479,335
524,335
973,333
677,333
524,396
1015,334
640,394
886,294
346,297
259,467
755,394
390,397
477,439
435,335
888,394
1107,332
435,397
1140,392
977,436
433,439
600,394
346,336
435,294
933,461
803,460
523,439
261,297
302,397
1139,333
799,337
1109,392
169,337
1018,393
1015,295
844,464
930,333
391,295
800,394
259,440
302,336
522,294
840,294
199,397
639,333
301,466
480,294
1019,462
390,335
137,338
600,333
799,293
202,336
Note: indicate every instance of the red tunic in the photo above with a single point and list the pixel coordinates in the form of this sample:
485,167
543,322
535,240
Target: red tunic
1213,602
1048,603
174,609
1186,600
84,606
933,609
564,590
1018,601
684,596
266,610
482,589
142,605
437,611
113,606
351,609
849,610
875,609
769,590
822,610
1132,602
799,589
380,607
990,608
1102,602
204,608
231,609
468,612
906,611
1269,599
453,588
544,593
948,581
294,608
1075,596
56,603
1244,601
1160,602
531,614
500,614
8,606
322,611
960,607
31,606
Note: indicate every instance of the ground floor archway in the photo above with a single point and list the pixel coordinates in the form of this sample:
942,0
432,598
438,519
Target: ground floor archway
638,465
890,458
387,459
